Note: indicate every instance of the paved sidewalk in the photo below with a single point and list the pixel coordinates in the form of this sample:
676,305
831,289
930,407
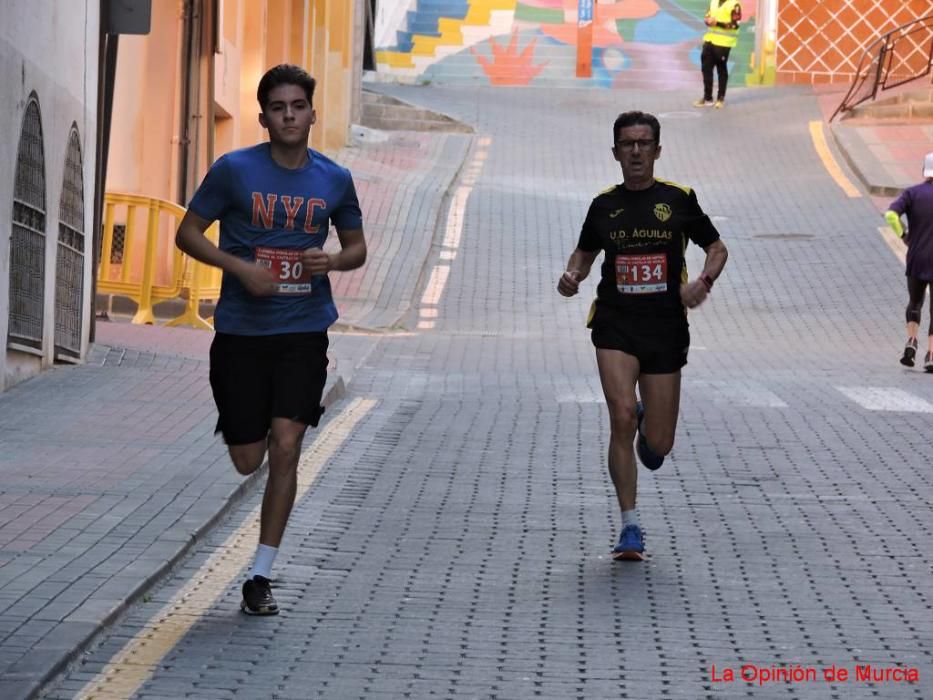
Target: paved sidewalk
110,471
885,158
885,155
401,178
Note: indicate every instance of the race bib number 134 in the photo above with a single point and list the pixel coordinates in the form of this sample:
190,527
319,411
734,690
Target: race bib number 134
286,265
641,274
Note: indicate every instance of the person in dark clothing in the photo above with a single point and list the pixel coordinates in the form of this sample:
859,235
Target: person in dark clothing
639,317
917,204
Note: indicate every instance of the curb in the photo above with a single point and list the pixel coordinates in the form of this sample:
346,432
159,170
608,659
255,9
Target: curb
437,234
862,162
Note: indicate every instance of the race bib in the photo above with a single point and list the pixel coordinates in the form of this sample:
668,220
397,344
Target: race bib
286,265
641,274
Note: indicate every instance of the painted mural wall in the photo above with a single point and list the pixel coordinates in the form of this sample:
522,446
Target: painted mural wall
631,43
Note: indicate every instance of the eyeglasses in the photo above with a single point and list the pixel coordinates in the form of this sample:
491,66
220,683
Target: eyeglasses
629,145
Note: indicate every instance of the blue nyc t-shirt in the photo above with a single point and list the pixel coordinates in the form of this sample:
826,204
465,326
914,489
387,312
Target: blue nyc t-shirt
269,214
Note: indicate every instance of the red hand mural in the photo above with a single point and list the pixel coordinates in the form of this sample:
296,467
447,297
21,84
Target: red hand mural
508,66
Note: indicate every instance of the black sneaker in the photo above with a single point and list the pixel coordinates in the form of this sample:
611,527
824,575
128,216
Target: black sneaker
910,352
257,597
928,362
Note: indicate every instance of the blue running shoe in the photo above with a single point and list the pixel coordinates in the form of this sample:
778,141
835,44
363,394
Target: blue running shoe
631,545
645,455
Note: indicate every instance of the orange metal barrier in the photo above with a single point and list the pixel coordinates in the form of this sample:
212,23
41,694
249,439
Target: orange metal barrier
160,272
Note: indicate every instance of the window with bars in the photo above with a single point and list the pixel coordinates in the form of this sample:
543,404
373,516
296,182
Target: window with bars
118,244
69,263
27,236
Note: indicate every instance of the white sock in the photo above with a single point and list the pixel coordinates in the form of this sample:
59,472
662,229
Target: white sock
630,517
262,564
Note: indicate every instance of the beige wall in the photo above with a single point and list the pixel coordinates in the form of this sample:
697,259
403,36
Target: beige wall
254,35
144,130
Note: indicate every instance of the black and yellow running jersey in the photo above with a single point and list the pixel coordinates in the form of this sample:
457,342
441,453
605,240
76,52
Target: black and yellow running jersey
644,234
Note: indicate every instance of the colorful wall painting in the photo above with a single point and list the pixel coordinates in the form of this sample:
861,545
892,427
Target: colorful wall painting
635,43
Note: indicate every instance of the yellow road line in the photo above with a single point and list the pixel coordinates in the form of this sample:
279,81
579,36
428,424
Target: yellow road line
436,283
832,167
894,243
140,657
451,244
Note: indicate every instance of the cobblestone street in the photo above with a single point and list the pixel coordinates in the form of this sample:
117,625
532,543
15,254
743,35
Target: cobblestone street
454,534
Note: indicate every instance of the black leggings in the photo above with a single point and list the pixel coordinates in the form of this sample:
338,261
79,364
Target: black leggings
917,289
716,57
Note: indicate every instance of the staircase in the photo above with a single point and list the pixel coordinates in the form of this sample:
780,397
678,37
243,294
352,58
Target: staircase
910,106
390,114
425,20
439,28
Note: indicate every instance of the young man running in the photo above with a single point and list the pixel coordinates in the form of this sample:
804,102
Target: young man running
268,361
917,203
639,319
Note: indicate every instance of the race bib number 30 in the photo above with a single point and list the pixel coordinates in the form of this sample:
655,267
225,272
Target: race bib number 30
641,274
286,265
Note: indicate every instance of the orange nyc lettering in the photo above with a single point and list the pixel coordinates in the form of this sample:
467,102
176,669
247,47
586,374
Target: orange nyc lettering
264,211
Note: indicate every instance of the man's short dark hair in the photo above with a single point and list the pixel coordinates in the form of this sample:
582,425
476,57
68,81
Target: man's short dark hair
636,118
284,74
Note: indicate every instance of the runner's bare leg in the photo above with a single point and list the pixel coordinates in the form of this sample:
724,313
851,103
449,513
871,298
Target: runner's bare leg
618,372
660,394
284,451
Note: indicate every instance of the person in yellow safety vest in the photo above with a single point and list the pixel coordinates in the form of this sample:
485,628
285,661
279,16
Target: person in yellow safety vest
723,34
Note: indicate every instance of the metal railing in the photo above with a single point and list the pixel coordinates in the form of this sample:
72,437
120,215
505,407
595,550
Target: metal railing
149,269
900,56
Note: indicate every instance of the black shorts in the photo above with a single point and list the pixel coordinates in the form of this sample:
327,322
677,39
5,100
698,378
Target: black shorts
660,344
258,378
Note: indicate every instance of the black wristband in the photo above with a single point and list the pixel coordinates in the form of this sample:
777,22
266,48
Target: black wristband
708,281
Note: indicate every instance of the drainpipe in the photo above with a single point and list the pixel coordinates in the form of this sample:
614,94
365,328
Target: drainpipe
106,79
184,122
212,41
189,140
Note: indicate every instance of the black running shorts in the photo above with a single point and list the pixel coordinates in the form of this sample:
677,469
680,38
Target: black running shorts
258,378
660,344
